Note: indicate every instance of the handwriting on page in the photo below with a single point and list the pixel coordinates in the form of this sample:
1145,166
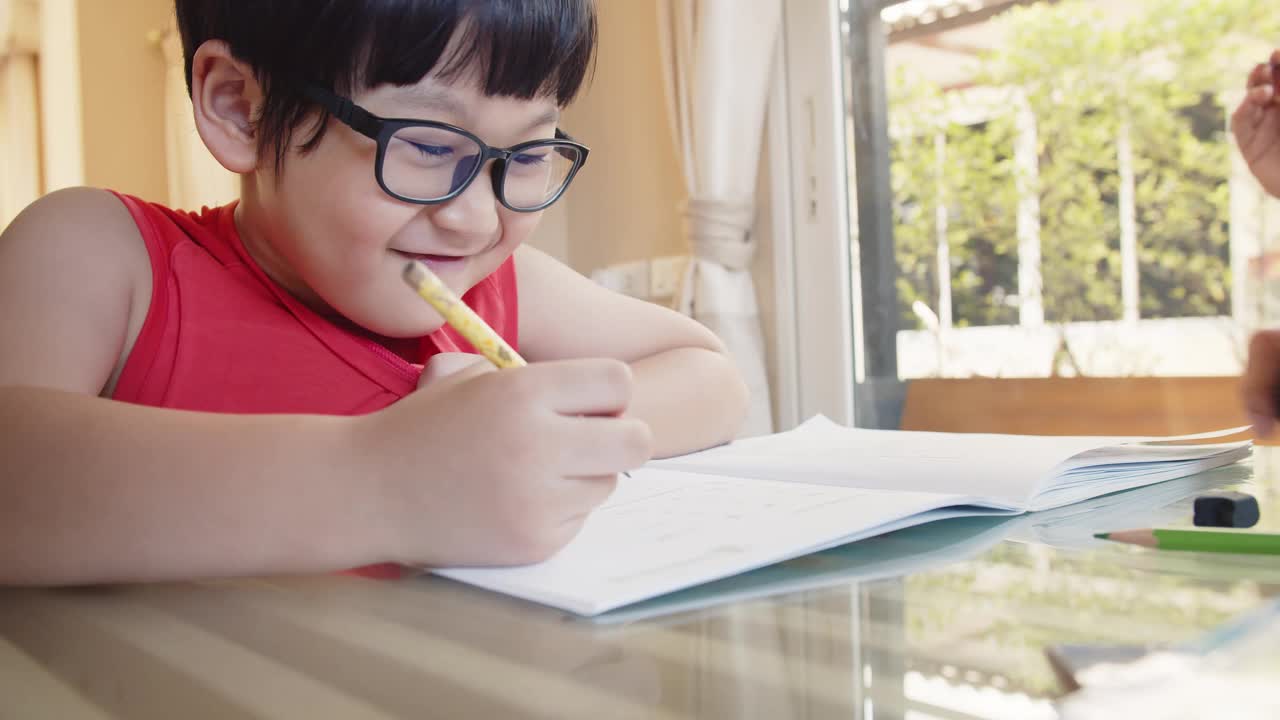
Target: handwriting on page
658,522
664,530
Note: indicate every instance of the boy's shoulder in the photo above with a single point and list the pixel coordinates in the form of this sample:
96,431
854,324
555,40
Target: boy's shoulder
73,216
83,231
75,281
111,227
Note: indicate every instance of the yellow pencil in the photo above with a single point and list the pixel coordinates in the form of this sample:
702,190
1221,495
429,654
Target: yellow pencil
460,317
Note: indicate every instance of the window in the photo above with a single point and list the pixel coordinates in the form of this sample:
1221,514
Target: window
1038,200
1041,189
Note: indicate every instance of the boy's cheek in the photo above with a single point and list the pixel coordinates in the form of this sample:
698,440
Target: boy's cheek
517,227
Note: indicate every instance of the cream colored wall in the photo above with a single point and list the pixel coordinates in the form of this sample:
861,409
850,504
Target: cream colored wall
122,91
102,95
624,205
19,115
62,137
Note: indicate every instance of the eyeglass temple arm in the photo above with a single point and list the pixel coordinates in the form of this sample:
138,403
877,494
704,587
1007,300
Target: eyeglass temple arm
345,111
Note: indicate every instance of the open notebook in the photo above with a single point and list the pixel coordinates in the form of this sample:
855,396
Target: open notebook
934,545
685,521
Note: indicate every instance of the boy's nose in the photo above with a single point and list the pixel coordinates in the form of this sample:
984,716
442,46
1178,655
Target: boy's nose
474,212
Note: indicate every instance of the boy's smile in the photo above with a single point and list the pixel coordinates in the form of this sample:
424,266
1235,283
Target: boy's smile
435,262
450,268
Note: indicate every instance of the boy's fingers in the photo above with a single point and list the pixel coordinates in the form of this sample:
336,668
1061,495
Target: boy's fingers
1256,129
584,494
1262,425
1243,120
1259,75
1260,377
455,366
583,387
599,446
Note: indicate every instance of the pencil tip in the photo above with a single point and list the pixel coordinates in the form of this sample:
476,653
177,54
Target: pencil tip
413,272
1102,536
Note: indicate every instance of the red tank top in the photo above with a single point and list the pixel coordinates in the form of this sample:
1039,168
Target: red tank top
221,336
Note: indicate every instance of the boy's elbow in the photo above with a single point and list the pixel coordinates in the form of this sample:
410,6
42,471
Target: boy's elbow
735,395
741,402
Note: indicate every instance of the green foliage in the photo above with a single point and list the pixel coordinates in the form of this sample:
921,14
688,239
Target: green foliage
1085,76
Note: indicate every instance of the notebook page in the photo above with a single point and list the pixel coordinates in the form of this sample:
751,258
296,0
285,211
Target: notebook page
1120,465
1073,471
1003,469
663,531
1070,490
884,556
1012,471
1178,447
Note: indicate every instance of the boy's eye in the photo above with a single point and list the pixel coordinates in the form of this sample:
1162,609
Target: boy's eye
529,163
529,158
433,151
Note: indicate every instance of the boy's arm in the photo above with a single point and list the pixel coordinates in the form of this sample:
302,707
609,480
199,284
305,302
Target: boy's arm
686,387
93,489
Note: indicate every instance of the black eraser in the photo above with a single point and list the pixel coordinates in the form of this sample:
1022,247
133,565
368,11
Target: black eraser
1226,509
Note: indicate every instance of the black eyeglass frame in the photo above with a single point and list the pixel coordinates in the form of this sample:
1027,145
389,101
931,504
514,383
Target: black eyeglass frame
381,130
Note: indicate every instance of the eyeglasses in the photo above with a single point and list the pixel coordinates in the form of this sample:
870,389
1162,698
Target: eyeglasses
426,162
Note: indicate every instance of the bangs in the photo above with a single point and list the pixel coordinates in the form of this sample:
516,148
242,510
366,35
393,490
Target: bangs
519,48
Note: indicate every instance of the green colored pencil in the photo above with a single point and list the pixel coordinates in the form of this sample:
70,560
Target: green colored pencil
1222,541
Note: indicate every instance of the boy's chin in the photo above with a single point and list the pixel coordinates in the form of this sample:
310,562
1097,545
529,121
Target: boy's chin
409,331
414,322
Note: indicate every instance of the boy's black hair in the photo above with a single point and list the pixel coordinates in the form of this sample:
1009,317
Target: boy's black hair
523,48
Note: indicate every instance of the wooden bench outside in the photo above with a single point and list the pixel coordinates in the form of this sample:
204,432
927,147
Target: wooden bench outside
1074,405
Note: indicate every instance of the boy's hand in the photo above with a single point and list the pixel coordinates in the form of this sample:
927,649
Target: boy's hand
494,468
456,365
1262,380
1256,125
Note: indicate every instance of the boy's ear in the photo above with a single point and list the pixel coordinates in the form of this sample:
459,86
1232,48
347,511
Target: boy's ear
226,98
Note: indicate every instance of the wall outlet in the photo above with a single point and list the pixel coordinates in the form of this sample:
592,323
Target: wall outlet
665,275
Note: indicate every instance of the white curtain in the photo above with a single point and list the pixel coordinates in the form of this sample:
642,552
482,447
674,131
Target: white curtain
195,177
717,57
19,118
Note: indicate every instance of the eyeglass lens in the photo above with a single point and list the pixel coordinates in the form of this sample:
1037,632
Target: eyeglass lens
427,163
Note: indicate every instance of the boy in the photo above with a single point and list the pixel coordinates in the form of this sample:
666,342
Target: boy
238,391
